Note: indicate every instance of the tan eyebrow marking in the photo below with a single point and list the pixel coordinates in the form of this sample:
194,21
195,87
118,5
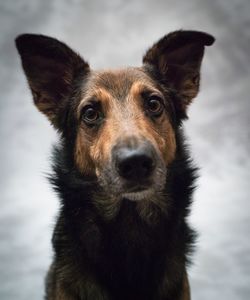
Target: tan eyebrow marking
140,86
100,94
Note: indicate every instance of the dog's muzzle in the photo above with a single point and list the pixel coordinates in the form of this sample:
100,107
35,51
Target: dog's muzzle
136,171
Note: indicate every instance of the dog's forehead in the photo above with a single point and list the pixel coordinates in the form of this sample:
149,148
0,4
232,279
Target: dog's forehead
119,82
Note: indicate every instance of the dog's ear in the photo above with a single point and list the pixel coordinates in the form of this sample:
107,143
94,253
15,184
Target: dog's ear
177,58
51,68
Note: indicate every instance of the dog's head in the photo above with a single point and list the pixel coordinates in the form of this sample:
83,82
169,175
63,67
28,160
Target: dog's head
120,123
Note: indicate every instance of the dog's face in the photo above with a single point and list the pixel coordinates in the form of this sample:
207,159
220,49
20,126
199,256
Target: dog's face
125,132
124,121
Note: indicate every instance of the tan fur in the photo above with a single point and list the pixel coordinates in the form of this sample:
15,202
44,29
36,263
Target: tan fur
87,149
163,136
186,289
60,294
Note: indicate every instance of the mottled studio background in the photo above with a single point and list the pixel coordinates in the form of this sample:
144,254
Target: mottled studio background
116,33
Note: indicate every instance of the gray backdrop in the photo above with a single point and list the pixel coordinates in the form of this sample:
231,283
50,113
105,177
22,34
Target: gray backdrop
112,34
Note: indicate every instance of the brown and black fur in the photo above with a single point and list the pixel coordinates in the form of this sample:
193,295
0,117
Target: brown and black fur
119,237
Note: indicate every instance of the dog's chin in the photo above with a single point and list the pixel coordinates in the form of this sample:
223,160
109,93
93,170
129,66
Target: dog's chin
141,195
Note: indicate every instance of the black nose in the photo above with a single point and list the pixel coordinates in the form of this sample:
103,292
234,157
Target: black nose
134,164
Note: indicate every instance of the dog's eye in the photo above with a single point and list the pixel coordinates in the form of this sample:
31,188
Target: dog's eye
154,105
91,115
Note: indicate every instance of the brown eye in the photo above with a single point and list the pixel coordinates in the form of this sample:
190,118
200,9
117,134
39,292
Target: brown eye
154,106
91,115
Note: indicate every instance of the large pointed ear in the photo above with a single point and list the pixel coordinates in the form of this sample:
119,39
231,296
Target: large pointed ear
51,68
177,58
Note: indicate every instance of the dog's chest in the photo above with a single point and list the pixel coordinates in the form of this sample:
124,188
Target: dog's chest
131,255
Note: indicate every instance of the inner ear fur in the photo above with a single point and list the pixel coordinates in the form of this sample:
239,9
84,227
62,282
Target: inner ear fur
177,58
51,68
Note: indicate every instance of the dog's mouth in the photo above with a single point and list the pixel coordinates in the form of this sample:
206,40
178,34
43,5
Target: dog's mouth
139,194
137,190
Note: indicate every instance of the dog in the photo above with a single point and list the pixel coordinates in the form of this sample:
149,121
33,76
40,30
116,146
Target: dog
121,169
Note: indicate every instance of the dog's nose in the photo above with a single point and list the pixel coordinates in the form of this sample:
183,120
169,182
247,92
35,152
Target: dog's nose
135,164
